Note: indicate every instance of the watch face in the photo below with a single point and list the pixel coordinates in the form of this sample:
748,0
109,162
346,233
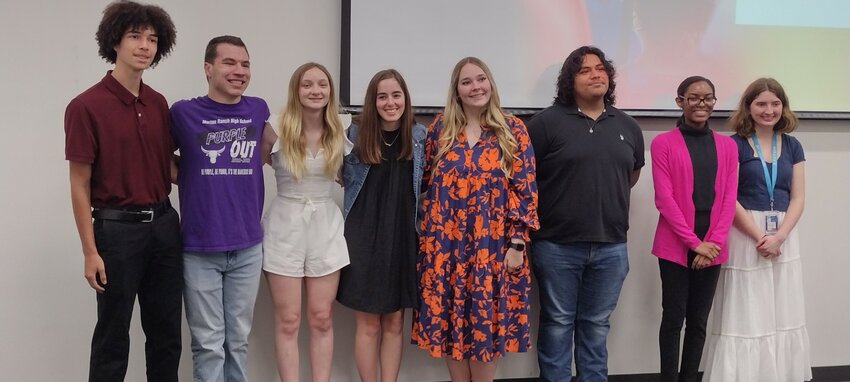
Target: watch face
517,246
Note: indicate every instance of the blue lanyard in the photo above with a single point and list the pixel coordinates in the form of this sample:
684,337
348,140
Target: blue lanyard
769,180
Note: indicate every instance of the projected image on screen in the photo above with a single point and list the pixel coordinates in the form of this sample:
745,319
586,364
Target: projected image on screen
794,13
654,45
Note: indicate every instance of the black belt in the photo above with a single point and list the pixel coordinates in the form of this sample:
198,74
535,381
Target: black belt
135,214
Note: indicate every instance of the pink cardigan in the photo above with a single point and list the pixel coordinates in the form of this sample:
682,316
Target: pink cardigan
673,178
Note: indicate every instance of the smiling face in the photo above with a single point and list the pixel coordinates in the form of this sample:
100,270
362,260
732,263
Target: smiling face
314,89
591,81
695,103
473,87
229,73
137,49
390,103
766,110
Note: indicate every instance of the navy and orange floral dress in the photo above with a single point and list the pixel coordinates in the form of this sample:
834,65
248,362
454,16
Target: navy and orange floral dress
471,306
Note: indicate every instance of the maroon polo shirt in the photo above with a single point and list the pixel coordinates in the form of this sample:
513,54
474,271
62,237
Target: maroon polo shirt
126,140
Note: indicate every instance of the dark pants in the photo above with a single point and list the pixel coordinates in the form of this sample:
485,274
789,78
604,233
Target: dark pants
143,259
686,294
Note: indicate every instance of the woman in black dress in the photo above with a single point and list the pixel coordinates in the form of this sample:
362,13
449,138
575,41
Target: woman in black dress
381,176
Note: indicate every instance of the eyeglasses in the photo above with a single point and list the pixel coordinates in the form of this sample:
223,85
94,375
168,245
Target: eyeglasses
694,101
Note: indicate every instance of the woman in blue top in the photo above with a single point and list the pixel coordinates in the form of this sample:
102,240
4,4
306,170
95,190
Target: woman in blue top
382,176
759,331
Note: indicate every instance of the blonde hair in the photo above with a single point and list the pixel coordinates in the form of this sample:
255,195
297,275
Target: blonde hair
742,122
491,116
293,143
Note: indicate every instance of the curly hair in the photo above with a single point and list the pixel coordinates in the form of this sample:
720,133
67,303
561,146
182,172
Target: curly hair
572,65
121,16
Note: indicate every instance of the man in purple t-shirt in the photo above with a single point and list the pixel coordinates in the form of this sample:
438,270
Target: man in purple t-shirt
224,138
119,149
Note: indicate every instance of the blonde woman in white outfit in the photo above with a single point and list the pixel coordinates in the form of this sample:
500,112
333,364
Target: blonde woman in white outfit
304,243
759,327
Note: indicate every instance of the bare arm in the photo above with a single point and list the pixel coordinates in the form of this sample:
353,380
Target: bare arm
175,164
269,138
633,177
798,197
80,179
746,224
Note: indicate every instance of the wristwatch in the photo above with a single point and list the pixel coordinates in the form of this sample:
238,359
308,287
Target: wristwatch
518,246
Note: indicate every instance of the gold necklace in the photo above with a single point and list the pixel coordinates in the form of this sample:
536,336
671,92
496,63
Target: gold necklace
394,139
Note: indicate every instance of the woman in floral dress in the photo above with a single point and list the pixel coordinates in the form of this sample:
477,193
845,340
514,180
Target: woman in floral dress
479,203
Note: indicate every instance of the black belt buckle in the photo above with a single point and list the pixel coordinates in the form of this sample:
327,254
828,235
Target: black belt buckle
136,215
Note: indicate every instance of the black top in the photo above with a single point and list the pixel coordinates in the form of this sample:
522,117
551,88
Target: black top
381,240
700,142
583,172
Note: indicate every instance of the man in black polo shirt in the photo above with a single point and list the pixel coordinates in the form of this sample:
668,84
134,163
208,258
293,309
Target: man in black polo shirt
589,155
118,145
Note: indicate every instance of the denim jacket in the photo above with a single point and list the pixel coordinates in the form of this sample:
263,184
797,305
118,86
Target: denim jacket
354,172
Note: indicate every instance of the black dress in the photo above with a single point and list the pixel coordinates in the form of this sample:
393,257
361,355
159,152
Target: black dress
381,238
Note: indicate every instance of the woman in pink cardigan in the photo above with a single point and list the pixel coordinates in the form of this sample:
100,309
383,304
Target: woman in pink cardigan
694,171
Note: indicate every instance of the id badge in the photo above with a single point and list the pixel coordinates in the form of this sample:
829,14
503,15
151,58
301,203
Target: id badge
771,222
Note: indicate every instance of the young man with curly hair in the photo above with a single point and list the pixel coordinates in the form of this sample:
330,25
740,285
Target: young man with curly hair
589,156
118,145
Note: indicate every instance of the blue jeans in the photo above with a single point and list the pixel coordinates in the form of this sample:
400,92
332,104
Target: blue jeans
220,291
579,287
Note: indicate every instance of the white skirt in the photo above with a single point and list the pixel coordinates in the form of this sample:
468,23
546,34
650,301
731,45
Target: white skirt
758,328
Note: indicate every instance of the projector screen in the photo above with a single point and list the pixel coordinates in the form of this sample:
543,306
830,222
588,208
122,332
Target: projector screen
654,44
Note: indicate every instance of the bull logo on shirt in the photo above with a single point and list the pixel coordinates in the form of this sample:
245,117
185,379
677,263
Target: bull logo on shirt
213,154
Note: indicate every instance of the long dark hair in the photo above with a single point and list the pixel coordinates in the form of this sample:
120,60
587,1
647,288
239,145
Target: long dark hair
572,65
367,145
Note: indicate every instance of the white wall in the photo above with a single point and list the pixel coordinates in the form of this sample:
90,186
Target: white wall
49,311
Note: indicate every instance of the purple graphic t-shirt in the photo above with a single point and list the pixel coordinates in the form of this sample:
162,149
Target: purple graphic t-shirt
220,177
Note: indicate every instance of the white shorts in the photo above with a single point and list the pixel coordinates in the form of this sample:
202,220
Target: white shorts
304,238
